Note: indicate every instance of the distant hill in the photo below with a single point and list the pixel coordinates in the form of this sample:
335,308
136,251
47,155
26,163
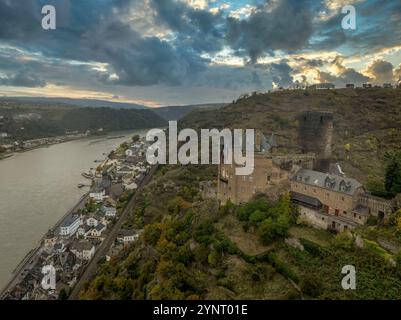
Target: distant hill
72,102
367,122
178,112
22,122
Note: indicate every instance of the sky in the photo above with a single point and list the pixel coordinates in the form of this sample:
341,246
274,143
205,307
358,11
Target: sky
177,52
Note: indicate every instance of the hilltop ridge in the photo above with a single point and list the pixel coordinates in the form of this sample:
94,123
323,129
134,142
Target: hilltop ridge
366,122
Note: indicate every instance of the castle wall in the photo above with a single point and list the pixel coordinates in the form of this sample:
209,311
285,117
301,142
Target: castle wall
269,174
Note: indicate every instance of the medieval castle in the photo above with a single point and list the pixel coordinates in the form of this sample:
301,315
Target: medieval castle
326,197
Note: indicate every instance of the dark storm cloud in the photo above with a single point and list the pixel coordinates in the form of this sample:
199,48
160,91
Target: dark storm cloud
93,31
101,31
198,29
287,27
382,70
344,76
281,73
23,78
378,26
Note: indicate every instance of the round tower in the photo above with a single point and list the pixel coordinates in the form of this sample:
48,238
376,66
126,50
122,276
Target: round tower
316,135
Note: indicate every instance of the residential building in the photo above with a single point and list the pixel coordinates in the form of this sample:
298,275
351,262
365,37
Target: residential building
83,231
82,249
50,239
97,194
127,236
70,225
333,201
92,222
108,211
98,230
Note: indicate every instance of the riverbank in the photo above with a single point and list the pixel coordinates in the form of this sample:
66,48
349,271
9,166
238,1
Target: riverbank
28,269
46,142
38,187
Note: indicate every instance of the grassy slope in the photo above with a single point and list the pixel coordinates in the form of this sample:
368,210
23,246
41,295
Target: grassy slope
244,269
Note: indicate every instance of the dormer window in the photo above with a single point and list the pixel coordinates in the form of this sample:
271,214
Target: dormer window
327,182
343,186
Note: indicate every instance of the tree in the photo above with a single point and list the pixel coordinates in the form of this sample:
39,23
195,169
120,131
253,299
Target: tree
270,230
136,138
393,174
63,295
311,286
256,217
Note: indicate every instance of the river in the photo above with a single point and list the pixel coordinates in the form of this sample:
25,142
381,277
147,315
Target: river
38,187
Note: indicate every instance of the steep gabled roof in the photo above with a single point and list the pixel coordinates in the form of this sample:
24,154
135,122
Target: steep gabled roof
327,181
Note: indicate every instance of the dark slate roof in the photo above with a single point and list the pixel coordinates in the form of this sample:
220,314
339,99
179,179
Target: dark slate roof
126,233
295,196
273,141
81,245
100,227
327,181
69,221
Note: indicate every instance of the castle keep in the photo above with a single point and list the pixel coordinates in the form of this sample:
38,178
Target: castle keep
316,136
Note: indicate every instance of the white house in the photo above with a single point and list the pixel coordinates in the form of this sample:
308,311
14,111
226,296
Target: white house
83,231
131,186
70,225
98,230
92,222
50,239
83,250
97,194
3,135
127,236
108,211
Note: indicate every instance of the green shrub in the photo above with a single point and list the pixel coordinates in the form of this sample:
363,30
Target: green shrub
312,286
311,247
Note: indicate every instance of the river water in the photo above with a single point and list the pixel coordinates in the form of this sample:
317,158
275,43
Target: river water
38,187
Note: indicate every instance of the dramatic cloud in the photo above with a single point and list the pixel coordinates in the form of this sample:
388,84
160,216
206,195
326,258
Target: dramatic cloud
23,78
286,26
382,71
154,50
342,75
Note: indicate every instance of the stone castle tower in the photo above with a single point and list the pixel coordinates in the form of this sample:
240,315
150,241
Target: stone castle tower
316,135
